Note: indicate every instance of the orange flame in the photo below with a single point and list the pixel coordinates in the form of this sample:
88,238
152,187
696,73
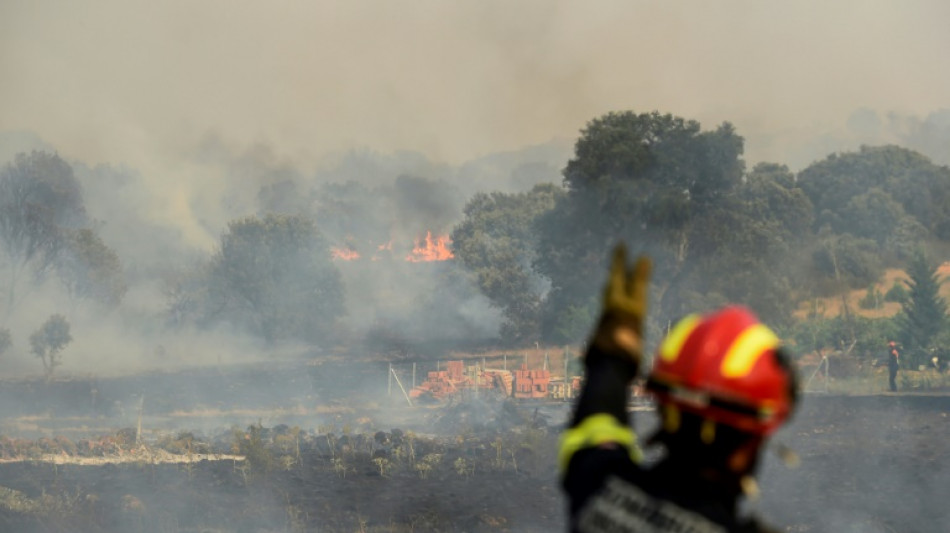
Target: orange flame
388,247
432,250
344,254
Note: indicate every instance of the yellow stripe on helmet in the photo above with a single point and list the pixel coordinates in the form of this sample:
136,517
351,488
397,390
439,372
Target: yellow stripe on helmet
674,341
746,350
593,431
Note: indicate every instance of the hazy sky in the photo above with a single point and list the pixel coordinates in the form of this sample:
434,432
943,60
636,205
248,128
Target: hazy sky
202,98
144,82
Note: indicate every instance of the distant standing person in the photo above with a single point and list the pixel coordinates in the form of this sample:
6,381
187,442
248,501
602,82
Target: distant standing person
893,364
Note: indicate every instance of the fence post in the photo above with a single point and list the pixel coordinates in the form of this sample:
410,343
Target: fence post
567,385
403,389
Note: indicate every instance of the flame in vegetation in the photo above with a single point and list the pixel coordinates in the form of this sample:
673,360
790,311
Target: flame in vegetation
344,254
430,249
388,247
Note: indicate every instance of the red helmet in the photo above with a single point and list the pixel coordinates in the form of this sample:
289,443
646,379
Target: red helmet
726,367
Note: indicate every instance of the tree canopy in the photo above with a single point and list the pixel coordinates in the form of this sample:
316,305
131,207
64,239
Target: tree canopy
869,193
274,277
49,340
924,313
717,233
668,189
495,241
90,269
716,230
44,226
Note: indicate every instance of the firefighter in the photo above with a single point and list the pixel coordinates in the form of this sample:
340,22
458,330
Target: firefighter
893,364
722,385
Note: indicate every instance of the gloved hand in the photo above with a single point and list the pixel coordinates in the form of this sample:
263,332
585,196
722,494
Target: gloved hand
619,332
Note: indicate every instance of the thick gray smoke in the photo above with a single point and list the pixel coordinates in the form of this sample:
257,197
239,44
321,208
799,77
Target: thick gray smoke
378,206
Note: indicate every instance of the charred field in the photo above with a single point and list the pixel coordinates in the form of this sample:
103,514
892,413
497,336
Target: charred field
302,448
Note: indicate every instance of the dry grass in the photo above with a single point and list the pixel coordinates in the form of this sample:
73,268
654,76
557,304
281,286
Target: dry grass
137,456
831,307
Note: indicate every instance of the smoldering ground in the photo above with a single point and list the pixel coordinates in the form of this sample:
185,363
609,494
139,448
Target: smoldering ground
868,464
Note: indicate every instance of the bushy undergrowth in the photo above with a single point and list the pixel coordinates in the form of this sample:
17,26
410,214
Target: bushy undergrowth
340,449
269,460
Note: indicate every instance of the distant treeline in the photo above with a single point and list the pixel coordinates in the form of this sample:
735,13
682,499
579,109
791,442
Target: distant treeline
717,232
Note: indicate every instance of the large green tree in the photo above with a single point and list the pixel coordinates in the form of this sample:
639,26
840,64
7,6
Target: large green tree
273,276
745,247
638,177
924,314
496,242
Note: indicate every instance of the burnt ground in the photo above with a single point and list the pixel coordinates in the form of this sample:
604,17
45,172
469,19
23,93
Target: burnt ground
868,464
492,473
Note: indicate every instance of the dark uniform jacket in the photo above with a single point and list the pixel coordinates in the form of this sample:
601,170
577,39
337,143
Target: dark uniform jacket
609,492
893,358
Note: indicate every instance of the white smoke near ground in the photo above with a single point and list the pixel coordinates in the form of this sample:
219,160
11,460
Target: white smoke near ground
398,201
128,339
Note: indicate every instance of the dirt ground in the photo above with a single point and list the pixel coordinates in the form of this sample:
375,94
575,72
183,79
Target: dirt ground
868,464
874,463
830,307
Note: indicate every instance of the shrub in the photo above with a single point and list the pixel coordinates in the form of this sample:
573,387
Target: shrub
873,299
897,293
258,457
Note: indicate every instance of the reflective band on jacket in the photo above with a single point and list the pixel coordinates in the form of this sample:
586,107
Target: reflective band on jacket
593,431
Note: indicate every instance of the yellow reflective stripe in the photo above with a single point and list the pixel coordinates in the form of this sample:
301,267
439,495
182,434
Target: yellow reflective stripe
593,431
745,351
671,346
